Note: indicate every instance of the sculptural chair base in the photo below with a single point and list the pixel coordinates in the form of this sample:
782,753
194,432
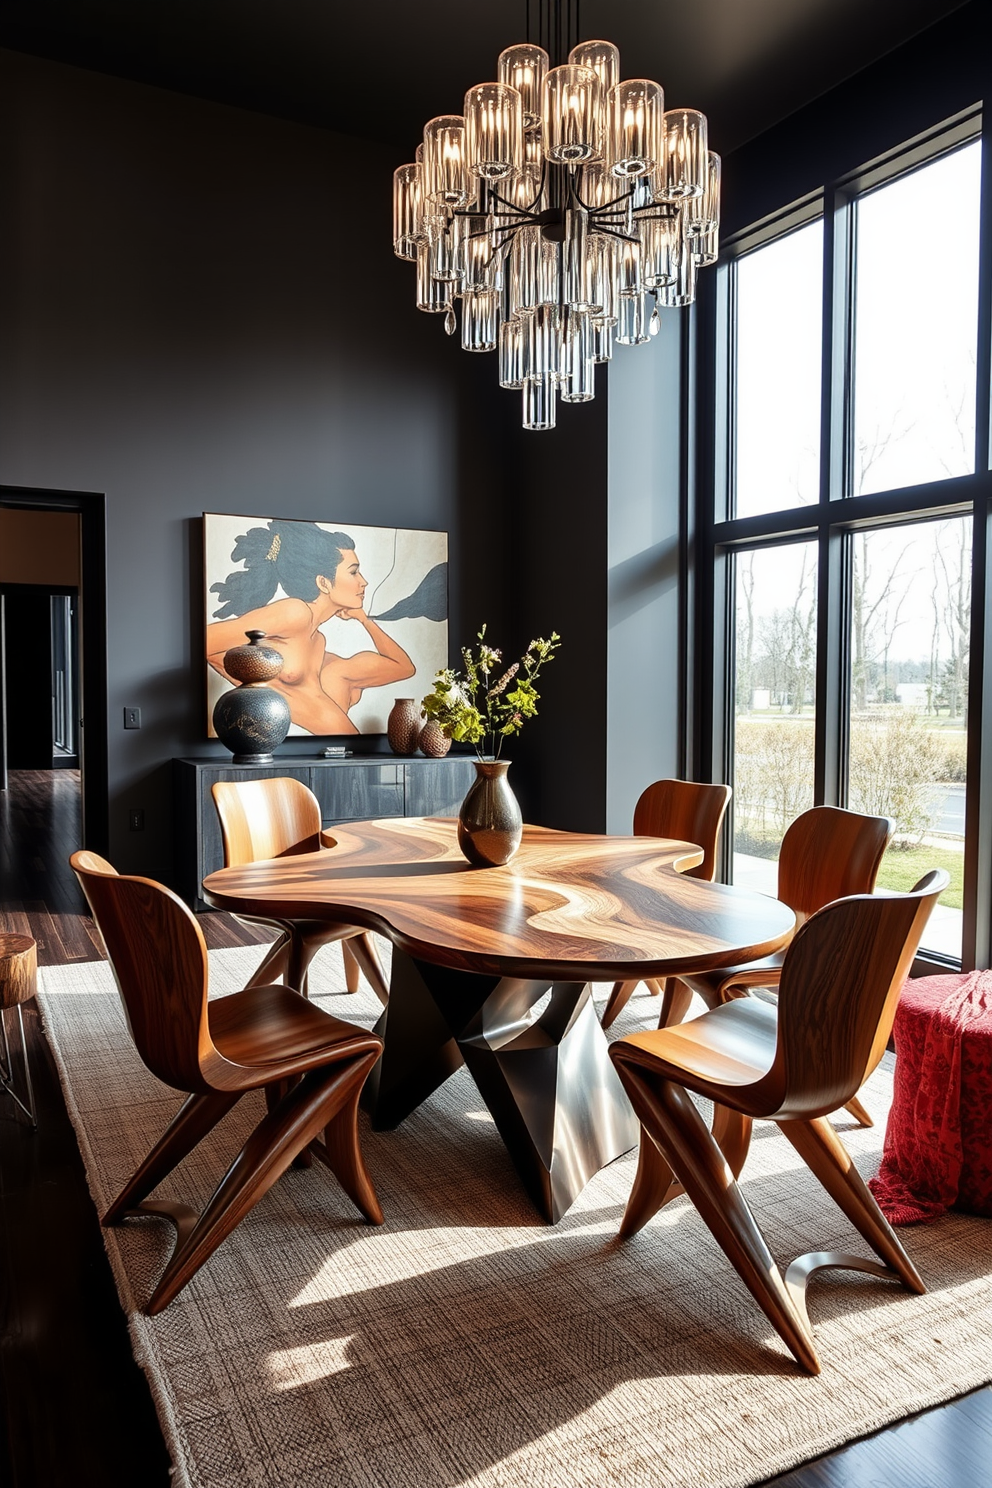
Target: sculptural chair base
678,1152
290,955
324,1101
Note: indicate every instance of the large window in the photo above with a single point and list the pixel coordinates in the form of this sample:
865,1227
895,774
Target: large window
855,511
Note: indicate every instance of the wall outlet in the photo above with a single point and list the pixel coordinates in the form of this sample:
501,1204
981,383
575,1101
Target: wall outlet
132,718
136,819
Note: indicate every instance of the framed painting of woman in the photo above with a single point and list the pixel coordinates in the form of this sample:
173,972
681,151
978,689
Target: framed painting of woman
360,614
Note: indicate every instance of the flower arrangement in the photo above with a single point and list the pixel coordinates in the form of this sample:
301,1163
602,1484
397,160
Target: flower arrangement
488,704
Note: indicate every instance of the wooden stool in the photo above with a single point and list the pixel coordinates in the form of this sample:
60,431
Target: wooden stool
18,980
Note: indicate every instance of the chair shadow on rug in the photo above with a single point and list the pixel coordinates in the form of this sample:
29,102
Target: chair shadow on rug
792,1063
311,1066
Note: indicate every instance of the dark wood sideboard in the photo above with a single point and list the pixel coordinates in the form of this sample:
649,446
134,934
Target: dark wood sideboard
352,789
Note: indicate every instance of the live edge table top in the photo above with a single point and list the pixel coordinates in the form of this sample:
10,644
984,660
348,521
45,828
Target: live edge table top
569,905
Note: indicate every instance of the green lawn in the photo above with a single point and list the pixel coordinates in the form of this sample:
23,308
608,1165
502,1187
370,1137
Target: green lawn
901,867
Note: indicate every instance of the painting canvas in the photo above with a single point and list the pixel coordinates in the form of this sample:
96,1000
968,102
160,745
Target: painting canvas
360,614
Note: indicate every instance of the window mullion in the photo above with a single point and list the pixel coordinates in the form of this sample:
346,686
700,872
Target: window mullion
833,589
976,949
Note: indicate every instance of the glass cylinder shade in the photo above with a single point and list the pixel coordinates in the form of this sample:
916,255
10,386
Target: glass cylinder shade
683,290
550,285
539,403
635,113
543,343
604,59
577,262
602,340
446,179
524,68
522,190
573,116
408,211
685,155
628,268
578,375
512,343
706,248
480,320
605,293
661,244
418,153
525,271
703,212
493,131
632,321
443,249
482,265
433,295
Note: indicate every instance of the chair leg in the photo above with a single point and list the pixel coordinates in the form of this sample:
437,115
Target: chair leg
857,1110
351,967
274,964
676,1002
655,1185
673,1124
342,1152
198,1115
362,947
310,1106
822,1151
619,998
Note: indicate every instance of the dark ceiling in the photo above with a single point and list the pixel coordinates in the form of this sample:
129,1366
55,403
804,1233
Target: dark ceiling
380,70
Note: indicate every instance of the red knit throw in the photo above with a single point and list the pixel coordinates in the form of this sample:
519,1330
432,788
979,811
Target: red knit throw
938,1142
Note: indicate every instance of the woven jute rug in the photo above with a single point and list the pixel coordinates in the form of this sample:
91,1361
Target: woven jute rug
465,1341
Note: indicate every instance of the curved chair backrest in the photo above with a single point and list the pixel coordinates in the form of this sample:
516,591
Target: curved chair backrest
687,811
840,985
266,818
828,854
159,960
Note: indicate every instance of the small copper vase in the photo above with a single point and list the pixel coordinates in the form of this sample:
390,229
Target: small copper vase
489,823
434,742
251,720
403,726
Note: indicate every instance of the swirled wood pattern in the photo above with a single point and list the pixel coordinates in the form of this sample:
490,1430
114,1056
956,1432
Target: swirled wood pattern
569,905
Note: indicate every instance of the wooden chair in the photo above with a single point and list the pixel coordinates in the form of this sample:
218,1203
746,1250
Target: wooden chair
792,1063
311,1066
826,854
687,812
274,819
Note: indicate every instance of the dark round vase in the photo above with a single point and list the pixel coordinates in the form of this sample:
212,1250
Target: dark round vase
489,823
251,720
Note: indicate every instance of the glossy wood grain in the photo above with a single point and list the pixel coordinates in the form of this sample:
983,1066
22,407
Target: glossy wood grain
279,817
792,1063
826,854
680,809
18,969
264,1037
569,906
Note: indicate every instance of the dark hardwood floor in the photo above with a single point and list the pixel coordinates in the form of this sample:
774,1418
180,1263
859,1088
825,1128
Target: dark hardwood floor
76,1409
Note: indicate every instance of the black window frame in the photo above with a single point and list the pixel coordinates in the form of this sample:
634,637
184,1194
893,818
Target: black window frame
716,535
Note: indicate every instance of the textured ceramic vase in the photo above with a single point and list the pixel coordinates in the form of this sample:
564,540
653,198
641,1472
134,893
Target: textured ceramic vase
403,726
489,823
251,720
434,742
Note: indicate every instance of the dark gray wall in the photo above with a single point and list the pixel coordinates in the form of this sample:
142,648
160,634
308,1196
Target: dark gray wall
644,637
188,326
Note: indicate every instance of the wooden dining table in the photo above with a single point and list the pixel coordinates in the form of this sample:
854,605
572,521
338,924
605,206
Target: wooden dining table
491,967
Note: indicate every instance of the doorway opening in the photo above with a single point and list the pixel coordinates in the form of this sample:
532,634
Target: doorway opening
53,672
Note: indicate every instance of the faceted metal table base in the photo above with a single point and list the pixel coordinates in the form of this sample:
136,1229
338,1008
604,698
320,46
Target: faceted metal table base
543,1071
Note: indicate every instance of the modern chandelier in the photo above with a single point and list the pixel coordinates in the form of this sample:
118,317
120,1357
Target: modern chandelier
564,208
